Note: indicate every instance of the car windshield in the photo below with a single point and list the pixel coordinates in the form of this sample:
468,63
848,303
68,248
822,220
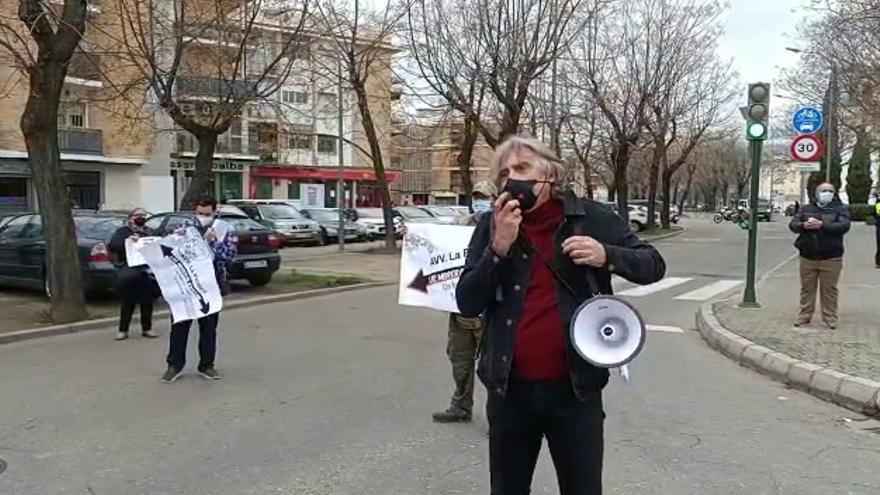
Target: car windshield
324,215
98,227
442,211
411,212
239,223
370,212
280,212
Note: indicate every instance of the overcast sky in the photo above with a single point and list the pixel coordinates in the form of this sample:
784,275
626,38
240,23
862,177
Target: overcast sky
755,37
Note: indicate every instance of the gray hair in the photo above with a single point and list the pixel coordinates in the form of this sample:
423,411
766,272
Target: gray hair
547,160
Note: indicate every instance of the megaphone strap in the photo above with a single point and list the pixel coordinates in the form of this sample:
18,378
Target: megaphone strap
591,280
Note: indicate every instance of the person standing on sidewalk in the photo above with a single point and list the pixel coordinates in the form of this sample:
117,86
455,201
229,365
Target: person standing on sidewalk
820,226
224,249
465,333
527,272
135,285
876,212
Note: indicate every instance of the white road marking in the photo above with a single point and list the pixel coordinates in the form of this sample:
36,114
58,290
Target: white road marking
644,290
663,328
697,239
709,291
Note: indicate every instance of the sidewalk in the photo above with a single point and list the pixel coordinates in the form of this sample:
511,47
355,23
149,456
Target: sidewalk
853,348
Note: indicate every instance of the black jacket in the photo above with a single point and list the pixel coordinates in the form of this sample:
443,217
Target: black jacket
498,290
827,242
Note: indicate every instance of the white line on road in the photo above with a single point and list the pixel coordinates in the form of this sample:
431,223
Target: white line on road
698,239
663,328
664,284
709,291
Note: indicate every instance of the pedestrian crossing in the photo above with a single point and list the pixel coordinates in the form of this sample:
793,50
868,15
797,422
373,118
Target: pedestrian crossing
679,288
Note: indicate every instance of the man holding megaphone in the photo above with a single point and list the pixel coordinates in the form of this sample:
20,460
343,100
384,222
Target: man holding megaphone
530,265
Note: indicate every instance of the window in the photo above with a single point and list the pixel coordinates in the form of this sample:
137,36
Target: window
231,140
327,144
251,211
298,97
299,141
326,102
14,228
72,114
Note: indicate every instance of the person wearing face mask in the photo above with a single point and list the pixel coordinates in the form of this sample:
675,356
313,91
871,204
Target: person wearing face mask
464,333
820,226
216,233
135,285
527,270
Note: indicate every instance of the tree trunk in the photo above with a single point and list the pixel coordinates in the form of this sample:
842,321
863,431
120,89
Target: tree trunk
469,139
39,124
588,178
666,186
509,123
653,174
378,165
621,161
203,173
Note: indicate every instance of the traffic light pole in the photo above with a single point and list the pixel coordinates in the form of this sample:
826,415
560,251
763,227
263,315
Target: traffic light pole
749,297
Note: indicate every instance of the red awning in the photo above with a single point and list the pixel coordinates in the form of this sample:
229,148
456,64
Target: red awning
326,173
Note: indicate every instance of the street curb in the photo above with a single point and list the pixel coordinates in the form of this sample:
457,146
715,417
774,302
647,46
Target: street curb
665,236
854,393
100,323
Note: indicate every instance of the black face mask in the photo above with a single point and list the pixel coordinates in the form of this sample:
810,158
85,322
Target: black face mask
523,191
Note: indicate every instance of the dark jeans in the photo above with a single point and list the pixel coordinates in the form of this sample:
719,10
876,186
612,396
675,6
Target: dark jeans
877,236
207,342
135,288
535,410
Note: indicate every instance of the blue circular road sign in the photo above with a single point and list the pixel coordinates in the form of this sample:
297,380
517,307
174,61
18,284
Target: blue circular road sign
807,120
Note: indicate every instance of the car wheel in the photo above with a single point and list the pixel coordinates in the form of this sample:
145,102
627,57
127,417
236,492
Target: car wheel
260,280
635,226
324,239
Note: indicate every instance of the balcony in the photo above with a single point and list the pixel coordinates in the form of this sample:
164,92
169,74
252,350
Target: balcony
226,145
86,66
79,140
211,87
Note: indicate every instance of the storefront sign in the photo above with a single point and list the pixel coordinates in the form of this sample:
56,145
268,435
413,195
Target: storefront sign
324,173
217,166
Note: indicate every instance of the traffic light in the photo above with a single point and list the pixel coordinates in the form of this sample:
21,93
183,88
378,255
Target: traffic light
758,112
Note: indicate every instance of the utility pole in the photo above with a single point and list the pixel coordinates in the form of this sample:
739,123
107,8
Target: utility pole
832,106
340,189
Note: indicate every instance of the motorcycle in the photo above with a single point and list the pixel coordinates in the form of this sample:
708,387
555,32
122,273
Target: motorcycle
734,216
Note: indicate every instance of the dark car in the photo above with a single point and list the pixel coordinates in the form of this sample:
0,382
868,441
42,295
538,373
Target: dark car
283,218
257,258
23,251
328,218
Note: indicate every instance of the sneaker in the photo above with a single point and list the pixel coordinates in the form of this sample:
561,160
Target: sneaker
151,334
452,415
171,375
831,325
121,335
209,373
800,322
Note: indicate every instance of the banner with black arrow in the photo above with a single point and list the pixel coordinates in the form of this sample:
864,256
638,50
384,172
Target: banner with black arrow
432,260
184,268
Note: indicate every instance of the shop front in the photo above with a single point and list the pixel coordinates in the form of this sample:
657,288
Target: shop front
299,183
227,183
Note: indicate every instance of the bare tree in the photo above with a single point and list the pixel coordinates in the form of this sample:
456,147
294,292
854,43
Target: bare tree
361,39
204,62
39,44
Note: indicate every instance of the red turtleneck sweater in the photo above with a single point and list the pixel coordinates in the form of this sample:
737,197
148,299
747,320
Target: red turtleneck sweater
539,353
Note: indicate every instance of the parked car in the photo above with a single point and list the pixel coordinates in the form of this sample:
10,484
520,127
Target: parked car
674,214
328,219
444,214
23,251
257,258
373,220
638,216
284,219
461,210
765,209
414,214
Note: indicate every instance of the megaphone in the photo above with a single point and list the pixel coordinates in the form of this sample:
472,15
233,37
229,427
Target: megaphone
607,332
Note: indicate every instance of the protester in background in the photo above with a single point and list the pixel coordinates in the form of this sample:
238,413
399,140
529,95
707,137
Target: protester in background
526,271
876,212
216,233
465,333
820,226
135,285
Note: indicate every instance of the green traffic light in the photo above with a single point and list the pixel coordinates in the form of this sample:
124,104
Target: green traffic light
756,130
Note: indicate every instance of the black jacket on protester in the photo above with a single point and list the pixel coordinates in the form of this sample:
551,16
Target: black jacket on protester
825,243
498,290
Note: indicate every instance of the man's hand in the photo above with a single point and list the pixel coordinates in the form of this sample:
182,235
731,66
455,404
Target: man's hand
813,224
508,216
210,235
585,251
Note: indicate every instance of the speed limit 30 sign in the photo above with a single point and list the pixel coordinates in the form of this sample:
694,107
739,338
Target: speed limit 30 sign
806,148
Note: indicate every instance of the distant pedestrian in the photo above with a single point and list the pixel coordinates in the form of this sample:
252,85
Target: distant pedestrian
224,249
466,333
820,226
876,212
135,285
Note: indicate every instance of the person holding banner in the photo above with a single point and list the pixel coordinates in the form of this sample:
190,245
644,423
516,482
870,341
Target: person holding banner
135,286
223,247
465,333
526,271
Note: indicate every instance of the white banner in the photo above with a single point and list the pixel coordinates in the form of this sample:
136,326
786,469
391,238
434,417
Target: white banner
311,195
133,248
184,268
432,260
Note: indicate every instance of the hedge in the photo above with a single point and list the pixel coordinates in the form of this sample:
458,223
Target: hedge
862,213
